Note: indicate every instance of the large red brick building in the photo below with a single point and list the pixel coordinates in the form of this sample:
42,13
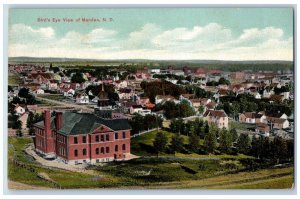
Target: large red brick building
82,137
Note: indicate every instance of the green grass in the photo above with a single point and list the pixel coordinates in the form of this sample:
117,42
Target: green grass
143,144
223,172
14,80
241,126
53,97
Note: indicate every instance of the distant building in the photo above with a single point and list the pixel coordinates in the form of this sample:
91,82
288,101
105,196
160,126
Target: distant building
217,117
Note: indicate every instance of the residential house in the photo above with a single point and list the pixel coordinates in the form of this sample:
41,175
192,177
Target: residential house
20,109
252,118
82,98
217,117
263,129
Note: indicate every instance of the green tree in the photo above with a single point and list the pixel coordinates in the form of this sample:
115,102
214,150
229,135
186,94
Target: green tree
31,131
23,92
160,142
234,135
194,143
30,120
225,141
77,78
19,133
210,139
279,148
176,143
243,144
201,109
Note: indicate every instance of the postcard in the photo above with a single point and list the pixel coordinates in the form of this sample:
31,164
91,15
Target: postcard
197,98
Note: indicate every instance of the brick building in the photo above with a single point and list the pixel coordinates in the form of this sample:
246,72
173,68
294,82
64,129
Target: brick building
82,137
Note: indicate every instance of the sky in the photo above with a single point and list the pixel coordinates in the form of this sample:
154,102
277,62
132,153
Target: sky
153,33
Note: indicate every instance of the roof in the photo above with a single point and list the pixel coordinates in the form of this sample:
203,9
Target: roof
85,123
276,120
252,115
215,113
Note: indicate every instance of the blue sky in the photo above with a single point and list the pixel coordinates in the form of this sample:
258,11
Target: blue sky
155,33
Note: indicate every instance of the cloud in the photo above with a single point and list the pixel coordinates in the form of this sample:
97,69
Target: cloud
20,33
212,41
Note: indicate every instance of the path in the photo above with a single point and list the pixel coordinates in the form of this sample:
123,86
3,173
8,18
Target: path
65,104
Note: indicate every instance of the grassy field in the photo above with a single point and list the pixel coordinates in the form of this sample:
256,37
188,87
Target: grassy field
143,144
14,80
53,97
178,171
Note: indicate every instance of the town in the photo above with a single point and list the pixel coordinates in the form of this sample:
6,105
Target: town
99,114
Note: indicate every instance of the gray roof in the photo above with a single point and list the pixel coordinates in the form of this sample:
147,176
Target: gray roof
84,123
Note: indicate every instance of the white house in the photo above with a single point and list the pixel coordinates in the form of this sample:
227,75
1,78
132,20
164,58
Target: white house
20,109
82,98
69,92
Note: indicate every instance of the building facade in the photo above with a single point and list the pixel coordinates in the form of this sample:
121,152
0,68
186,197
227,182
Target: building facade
82,138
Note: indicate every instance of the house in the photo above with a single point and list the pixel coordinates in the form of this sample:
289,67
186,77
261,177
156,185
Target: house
69,92
263,129
277,98
163,98
252,118
39,91
82,98
278,123
125,93
97,140
135,109
217,117
20,109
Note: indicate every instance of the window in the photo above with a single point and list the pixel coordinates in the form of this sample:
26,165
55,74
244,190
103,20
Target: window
75,140
83,151
107,149
123,147
102,138
97,160
97,151
116,148
84,139
116,136
97,138
107,137
75,152
124,135
102,150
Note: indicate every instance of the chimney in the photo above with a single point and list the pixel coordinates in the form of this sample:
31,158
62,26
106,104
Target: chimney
47,121
58,120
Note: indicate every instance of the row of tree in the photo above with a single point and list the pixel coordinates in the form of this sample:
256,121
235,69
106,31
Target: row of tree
173,110
233,105
227,142
141,123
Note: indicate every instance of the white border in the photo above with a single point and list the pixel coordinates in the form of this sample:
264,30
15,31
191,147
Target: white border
207,3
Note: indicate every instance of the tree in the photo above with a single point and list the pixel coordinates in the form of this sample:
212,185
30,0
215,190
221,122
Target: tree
201,109
194,143
234,135
225,142
30,120
210,140
23,92
243,144
19,133
31,131
77,78
176,143
279,148
160,142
